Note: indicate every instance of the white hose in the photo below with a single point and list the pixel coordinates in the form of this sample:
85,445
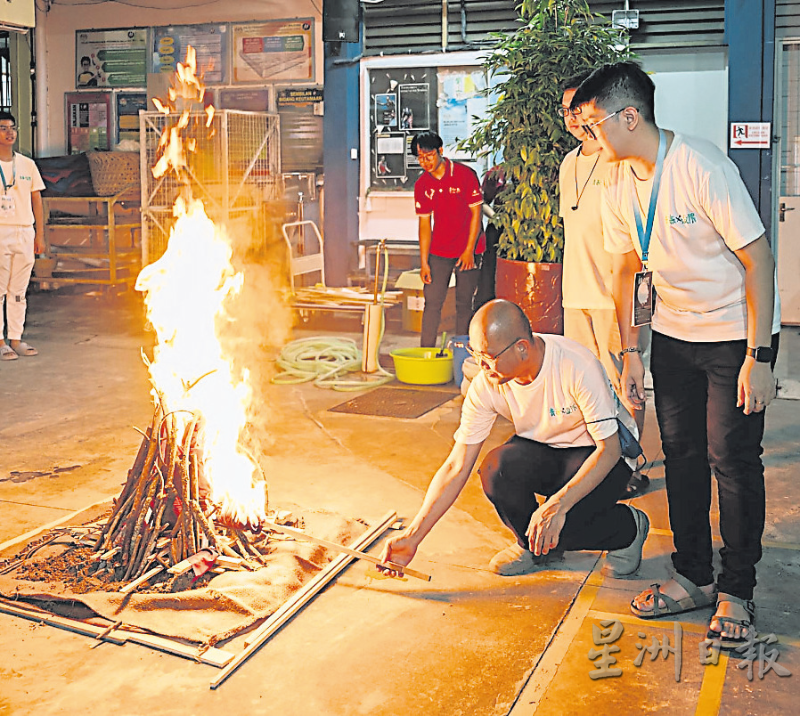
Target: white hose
325,359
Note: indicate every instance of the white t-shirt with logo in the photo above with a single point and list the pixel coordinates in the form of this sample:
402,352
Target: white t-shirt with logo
15,203
704,213
586,278
571,390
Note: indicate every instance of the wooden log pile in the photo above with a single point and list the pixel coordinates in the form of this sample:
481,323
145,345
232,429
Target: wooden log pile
162,517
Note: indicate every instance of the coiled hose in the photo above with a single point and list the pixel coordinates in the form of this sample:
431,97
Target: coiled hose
325,360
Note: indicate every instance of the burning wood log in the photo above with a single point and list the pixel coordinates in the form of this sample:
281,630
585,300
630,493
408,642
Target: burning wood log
164,515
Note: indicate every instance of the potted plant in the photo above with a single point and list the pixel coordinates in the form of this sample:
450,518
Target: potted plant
556,40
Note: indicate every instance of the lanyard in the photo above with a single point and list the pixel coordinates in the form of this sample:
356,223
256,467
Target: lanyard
6,187
644,234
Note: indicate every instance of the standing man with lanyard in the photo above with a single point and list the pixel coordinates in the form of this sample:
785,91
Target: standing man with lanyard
677,216
20,210
448,202
589,315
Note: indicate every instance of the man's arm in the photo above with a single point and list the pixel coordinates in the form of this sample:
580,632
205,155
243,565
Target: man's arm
467,259
547,522
442,492
632,379
38,218
756,387
425,232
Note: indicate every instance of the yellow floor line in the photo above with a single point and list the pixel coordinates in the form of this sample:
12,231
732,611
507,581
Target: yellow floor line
710,698
556,650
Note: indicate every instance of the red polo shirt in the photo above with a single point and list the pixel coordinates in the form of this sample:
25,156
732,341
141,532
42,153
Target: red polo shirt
449,199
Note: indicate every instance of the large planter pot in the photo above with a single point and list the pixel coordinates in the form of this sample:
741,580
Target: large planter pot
536,289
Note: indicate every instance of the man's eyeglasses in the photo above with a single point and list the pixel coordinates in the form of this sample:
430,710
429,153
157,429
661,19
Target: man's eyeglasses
427,156
564,111
485,358
589,128
7,129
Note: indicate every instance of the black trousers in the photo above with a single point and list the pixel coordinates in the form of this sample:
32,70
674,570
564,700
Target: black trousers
435,293
695,387
515,474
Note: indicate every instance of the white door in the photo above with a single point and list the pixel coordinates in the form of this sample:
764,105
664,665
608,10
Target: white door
787,218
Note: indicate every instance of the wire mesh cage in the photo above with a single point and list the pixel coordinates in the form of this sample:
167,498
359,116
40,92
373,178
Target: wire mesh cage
234,169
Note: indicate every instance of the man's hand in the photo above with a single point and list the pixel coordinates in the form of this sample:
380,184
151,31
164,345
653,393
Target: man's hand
632,382
545,526
400,550
425,273
756,386
466,262
38,243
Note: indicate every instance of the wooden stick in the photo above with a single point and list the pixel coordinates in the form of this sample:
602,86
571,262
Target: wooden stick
297,534
302,597
212,655
128,588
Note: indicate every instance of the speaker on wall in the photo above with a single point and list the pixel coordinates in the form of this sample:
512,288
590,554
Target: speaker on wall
340,20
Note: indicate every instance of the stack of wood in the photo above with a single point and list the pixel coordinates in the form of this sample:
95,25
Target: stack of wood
162,518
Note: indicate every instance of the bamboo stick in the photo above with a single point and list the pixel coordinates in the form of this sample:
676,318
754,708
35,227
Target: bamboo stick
128,588
297,534
301,598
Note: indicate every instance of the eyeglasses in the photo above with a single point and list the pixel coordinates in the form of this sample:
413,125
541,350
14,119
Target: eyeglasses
426,156
564,111
482,358
7,129
589,128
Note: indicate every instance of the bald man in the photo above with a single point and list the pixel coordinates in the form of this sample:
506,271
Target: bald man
565,451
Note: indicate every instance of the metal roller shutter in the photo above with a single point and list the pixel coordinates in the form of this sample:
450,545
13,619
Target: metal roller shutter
412,26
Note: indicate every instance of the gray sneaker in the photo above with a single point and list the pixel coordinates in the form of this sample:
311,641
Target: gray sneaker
514,560
624,562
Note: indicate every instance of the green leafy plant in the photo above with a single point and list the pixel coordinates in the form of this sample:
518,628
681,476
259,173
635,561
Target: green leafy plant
556,40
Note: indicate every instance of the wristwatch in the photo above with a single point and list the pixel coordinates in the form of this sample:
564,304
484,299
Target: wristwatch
762,354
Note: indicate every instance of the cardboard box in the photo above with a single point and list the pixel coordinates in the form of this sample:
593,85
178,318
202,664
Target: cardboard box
410,283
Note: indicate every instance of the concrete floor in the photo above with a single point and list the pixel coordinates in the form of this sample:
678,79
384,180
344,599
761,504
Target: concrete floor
468,642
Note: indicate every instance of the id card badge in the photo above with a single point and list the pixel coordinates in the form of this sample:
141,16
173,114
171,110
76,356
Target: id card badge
642,313
6,205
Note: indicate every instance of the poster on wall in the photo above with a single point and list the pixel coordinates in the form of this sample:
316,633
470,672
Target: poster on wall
209,41
128,106
390,148
415,106
88,116
111,58
402,103
280,50
461,101
300,97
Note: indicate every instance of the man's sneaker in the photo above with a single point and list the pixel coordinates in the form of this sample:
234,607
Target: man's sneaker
624,562
515,560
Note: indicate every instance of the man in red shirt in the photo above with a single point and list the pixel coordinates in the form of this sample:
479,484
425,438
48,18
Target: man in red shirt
448,201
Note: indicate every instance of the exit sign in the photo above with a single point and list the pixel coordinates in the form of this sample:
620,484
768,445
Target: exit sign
751,135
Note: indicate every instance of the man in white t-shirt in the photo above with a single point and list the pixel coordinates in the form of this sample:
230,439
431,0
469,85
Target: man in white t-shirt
715,336
565,449
21,226
589,314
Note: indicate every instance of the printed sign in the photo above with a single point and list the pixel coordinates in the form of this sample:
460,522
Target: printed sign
87,121
300,97
111,58
209,41
751,135
280,50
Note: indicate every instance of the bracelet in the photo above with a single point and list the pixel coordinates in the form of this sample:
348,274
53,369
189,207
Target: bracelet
628,350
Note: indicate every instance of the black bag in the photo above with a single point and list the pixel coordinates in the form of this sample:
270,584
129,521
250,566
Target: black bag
629,445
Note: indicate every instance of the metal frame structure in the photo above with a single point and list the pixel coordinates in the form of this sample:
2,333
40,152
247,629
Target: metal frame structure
234,169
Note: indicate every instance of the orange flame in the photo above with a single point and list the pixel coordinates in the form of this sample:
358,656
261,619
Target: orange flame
186,294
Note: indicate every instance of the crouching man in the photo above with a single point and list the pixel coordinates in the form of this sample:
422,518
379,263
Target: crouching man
565,451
